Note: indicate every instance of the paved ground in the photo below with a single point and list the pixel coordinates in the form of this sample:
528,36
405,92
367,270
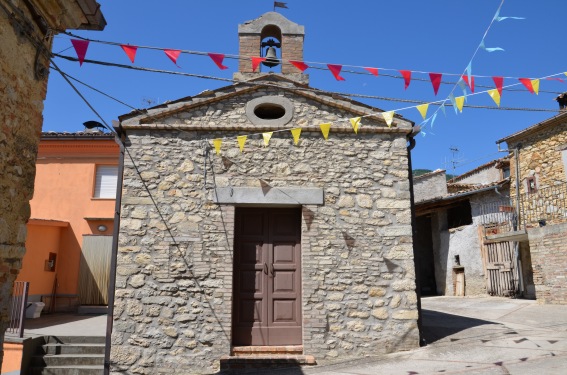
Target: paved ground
66,325
465,335
473,336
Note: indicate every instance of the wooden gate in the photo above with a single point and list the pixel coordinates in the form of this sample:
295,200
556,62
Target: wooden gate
500,269
94,270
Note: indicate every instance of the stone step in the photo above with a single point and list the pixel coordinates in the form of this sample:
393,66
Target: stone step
73,348
75,339
67,370
68,360
265,361
92,310
246,351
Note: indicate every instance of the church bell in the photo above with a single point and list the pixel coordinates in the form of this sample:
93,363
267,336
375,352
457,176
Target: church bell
271,55
271,58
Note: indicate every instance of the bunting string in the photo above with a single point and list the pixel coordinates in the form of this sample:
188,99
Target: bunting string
218,59
300,65
440,103
459,101
325,127
335,69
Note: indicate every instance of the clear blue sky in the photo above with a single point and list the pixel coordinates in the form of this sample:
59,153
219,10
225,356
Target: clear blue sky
430,36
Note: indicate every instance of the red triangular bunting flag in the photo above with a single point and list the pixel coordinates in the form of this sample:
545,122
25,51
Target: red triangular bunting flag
256,61
499,82
435,81
173,54
374,71
407,77
130,51
528,83
218,59
299,65
336,70
471,83
81,49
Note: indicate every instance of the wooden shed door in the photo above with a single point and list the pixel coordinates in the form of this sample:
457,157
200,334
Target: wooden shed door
501,271
267,277
94,270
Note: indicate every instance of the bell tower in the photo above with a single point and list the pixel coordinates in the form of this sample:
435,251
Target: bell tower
278,40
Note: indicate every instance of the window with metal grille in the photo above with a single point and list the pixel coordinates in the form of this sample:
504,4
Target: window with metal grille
106,181
531,184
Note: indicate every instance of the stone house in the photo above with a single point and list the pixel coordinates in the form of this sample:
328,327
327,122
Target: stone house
452,256
539,202
291,250
26,31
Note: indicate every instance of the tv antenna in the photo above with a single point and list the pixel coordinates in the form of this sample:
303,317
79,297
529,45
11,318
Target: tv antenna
456,159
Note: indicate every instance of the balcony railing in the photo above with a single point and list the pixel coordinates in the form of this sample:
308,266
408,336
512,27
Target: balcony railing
546,206
18,306
499,217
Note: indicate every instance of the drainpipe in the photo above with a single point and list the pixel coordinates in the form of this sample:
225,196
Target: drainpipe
517,159
517,244
112,280
410,147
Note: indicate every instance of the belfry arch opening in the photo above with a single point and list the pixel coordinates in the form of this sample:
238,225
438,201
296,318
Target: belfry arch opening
271,47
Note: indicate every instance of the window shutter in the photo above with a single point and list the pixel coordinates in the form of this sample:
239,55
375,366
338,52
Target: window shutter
106,181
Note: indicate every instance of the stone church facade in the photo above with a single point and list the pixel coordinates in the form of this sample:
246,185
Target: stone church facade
301,247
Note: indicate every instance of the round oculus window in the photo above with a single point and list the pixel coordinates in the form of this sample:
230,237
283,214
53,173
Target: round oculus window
270,110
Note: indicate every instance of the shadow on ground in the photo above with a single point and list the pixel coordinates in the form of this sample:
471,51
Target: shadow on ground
49,320
290,370
438,325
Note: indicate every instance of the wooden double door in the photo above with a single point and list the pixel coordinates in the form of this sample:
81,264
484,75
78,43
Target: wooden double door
267,277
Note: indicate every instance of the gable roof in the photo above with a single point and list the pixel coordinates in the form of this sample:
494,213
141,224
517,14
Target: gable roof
429,174
497,163
555,120
464,193
140,118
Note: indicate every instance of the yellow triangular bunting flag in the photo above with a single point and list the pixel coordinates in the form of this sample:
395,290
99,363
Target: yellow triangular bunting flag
355,123
565,73
388,117
535,86
217,142
495,95
296,132
325,129
267,137
460,100
423,110
241,141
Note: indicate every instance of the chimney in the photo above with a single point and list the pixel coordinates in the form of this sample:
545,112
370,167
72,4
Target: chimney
562,100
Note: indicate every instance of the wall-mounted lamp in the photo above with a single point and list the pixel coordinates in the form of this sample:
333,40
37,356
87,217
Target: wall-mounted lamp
102,228
50,262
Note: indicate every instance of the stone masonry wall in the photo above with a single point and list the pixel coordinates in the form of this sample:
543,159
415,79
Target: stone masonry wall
540,156
174,283
249,45
21,100
292,49
430,186
549,262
